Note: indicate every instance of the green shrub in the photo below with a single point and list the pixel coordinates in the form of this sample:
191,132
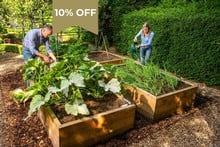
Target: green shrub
88,37
2,48
15,48
2,28
10,35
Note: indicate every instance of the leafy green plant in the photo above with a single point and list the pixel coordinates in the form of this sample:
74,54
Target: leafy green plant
149,78
1,40
34,70
66,82
60,49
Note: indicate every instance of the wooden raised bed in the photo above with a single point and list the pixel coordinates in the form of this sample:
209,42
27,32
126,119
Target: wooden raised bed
104,57
159,107
90,130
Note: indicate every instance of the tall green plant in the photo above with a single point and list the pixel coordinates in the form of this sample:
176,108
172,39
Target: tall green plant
149,78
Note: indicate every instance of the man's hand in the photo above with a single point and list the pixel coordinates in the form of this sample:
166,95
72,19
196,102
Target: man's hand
46,59
135,39
53,57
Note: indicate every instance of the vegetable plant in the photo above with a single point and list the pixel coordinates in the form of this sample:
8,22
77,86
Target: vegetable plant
149,78
67,83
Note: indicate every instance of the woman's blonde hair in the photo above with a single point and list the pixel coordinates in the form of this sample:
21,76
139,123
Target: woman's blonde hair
146,25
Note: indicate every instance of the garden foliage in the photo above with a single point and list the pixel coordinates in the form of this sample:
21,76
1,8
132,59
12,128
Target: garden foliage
149,78
15,48
67,82
186,38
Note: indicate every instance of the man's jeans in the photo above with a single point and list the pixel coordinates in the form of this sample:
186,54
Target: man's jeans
145,54
27,55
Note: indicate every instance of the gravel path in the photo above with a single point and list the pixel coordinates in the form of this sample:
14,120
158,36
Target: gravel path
10,62
199,127
1,119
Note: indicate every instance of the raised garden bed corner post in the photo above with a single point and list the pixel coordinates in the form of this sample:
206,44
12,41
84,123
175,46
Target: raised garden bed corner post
101,37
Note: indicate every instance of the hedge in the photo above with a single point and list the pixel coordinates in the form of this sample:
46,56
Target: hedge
186,41
15,48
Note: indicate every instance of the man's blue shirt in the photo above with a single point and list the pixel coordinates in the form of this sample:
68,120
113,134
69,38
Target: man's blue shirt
33,40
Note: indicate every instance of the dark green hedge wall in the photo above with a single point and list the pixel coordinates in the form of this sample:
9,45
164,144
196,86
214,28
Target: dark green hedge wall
110,15
187,38
120,7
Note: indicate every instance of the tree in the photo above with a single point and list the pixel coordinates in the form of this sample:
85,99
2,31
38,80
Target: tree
3,16
27,13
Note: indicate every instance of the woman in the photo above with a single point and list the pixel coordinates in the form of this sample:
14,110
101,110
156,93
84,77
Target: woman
146,43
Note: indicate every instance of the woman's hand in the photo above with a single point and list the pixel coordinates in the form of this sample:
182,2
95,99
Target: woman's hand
137,46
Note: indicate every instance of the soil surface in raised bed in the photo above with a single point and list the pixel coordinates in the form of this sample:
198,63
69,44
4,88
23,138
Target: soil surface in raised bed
95,106
180,85
199,126
102,56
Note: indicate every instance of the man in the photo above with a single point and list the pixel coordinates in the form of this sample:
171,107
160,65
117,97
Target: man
33,40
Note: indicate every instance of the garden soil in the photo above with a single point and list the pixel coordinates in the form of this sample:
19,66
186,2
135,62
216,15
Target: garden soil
197,127
102,56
